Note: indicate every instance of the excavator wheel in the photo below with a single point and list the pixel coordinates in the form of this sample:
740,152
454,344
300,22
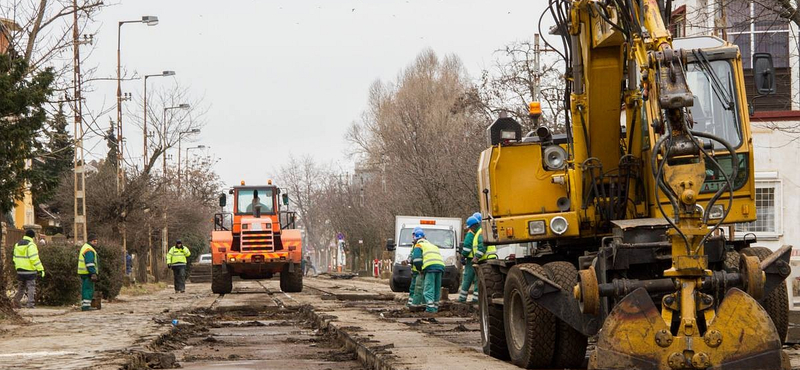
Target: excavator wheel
530,328
292,282
777,302
221,280
493,332
570,349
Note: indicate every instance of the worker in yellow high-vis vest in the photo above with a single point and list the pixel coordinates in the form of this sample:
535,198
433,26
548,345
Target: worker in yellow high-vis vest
428,259
28,266
176,260
472,240
87,270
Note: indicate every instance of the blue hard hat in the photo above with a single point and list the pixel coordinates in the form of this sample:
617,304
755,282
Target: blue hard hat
472,221
418,233
478,216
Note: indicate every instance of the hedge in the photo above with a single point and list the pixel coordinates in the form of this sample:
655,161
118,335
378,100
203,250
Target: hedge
61,284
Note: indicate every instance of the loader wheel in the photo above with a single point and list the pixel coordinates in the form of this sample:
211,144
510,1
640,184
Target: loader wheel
570,349
777,302
221,280
530,328
292,282
493,331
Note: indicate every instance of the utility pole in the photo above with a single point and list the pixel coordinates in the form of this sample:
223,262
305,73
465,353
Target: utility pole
79,166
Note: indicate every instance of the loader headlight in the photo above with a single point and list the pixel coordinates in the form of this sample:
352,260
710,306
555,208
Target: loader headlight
716,212
559,225
536,227
555,157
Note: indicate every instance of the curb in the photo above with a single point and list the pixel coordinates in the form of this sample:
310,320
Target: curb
375,358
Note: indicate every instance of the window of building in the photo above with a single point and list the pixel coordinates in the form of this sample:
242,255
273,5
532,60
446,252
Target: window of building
677,24
756,27
768,209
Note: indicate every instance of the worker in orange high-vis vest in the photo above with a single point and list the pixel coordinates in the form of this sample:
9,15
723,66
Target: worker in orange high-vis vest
87,270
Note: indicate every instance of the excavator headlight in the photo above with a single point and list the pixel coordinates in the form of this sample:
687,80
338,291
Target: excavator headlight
555,158
716,212
559,225
536,227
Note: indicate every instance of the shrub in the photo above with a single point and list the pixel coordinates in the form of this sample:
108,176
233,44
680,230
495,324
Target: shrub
111,261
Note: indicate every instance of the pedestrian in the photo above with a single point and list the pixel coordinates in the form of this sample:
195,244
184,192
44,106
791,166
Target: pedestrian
427,259
310,265
87,270
28,266
176,260
471,240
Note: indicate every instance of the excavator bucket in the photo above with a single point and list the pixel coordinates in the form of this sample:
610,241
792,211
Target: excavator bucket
741,337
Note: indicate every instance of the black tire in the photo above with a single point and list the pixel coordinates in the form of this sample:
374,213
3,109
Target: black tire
777,302
570,350
221,280
292,282
530,328
394,286
456,285
493,332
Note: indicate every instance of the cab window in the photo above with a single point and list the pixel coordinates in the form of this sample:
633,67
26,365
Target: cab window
248,199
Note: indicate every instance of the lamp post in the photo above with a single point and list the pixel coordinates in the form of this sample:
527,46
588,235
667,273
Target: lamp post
144,126
187,158
149,20
164,232
180,136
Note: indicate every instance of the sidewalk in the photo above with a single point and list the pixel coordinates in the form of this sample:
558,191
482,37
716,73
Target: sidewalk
67,338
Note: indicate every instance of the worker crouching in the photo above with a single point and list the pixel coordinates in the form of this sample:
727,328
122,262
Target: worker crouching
87,270
176,260
426,258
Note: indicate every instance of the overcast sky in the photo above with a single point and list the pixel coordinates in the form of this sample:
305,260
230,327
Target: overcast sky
285,77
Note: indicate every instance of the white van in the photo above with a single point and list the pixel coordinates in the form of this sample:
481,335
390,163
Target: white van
444,232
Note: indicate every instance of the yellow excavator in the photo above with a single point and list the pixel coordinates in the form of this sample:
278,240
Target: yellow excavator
629,214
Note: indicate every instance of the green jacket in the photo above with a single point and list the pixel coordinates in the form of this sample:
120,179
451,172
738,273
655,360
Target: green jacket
466,249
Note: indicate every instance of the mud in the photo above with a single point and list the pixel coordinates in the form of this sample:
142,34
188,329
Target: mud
245,337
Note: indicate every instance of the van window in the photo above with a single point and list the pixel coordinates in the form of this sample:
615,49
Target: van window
445,239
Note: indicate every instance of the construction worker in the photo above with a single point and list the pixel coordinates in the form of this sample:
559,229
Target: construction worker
426,258
28,265
176,260
87,270
412,288
470,279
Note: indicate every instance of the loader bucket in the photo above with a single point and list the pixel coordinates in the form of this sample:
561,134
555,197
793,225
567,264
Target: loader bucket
741,337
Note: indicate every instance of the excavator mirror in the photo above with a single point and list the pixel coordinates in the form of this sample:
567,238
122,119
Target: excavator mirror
764,73
223,200
285,199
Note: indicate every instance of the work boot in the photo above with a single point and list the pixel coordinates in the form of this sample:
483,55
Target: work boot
474,301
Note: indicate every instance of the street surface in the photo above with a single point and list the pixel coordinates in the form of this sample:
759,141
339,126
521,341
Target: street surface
333,324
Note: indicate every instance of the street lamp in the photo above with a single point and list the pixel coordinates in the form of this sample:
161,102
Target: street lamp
180,136
149,20
144,128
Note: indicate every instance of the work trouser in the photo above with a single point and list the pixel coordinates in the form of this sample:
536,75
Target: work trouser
417,297
432,290
26,284
470,279
179,277
87,292
411,287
